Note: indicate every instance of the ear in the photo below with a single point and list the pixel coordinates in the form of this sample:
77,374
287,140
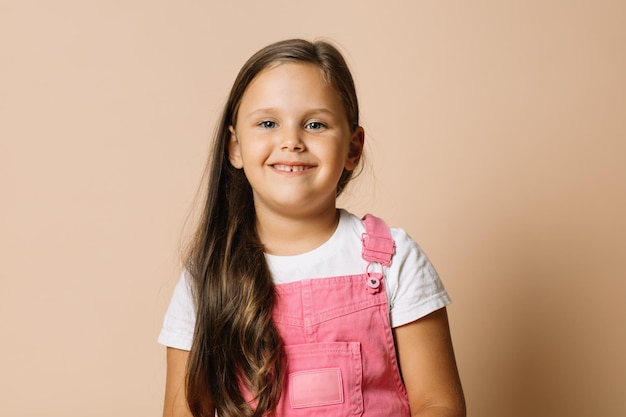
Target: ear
355,149
234,150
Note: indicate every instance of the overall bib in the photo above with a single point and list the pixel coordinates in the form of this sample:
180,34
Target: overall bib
341,359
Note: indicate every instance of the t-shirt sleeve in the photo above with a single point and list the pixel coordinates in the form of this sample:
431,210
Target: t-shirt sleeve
180,320
415,287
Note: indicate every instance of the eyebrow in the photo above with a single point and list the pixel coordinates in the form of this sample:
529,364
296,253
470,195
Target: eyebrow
273,110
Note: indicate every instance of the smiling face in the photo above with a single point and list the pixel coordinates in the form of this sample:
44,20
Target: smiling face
292,139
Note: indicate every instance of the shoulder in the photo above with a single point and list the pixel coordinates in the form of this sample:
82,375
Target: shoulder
404,243
409,256
406,246
354,225
406,249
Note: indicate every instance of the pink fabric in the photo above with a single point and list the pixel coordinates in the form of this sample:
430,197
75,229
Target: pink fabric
315,387
338,340
378,246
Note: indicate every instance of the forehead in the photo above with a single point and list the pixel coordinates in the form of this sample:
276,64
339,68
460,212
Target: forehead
290,85
284,71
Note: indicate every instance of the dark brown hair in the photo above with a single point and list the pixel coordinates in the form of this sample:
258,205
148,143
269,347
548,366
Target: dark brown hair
236,345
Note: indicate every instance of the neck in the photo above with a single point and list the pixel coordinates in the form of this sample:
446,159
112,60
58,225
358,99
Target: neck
285,236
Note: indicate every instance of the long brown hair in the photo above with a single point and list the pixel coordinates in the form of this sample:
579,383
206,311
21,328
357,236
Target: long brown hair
235,342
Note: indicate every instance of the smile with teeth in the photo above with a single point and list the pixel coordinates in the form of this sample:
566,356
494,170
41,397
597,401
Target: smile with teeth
291,168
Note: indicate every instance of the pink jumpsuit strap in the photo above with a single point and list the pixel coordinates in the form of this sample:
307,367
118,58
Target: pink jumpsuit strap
378,245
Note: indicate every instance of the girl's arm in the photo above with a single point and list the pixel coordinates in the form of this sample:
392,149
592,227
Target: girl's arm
428,367
175,399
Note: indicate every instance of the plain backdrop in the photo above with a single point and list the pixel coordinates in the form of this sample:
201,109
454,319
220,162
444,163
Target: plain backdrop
496,135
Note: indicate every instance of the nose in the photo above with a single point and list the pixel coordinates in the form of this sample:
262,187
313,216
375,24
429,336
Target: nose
291,141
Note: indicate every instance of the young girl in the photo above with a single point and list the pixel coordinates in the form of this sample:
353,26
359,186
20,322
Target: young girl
288,305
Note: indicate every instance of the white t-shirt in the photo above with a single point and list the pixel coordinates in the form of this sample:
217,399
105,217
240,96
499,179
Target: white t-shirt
413,286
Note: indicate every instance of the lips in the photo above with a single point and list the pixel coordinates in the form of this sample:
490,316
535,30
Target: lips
291,168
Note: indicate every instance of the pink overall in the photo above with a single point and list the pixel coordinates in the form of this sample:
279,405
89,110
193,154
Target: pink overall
340,350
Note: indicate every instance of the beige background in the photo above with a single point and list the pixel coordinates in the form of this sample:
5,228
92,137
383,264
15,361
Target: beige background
496,136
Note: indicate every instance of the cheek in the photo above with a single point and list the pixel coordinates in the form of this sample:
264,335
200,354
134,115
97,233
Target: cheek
251,149
341,151
337,157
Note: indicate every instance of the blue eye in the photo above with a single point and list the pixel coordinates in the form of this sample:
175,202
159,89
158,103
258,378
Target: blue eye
315,125
268,124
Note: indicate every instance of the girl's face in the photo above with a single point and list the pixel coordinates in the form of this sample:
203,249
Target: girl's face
293,140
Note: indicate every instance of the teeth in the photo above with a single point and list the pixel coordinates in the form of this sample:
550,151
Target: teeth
290,168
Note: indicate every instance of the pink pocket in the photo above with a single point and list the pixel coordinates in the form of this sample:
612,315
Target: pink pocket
323,379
